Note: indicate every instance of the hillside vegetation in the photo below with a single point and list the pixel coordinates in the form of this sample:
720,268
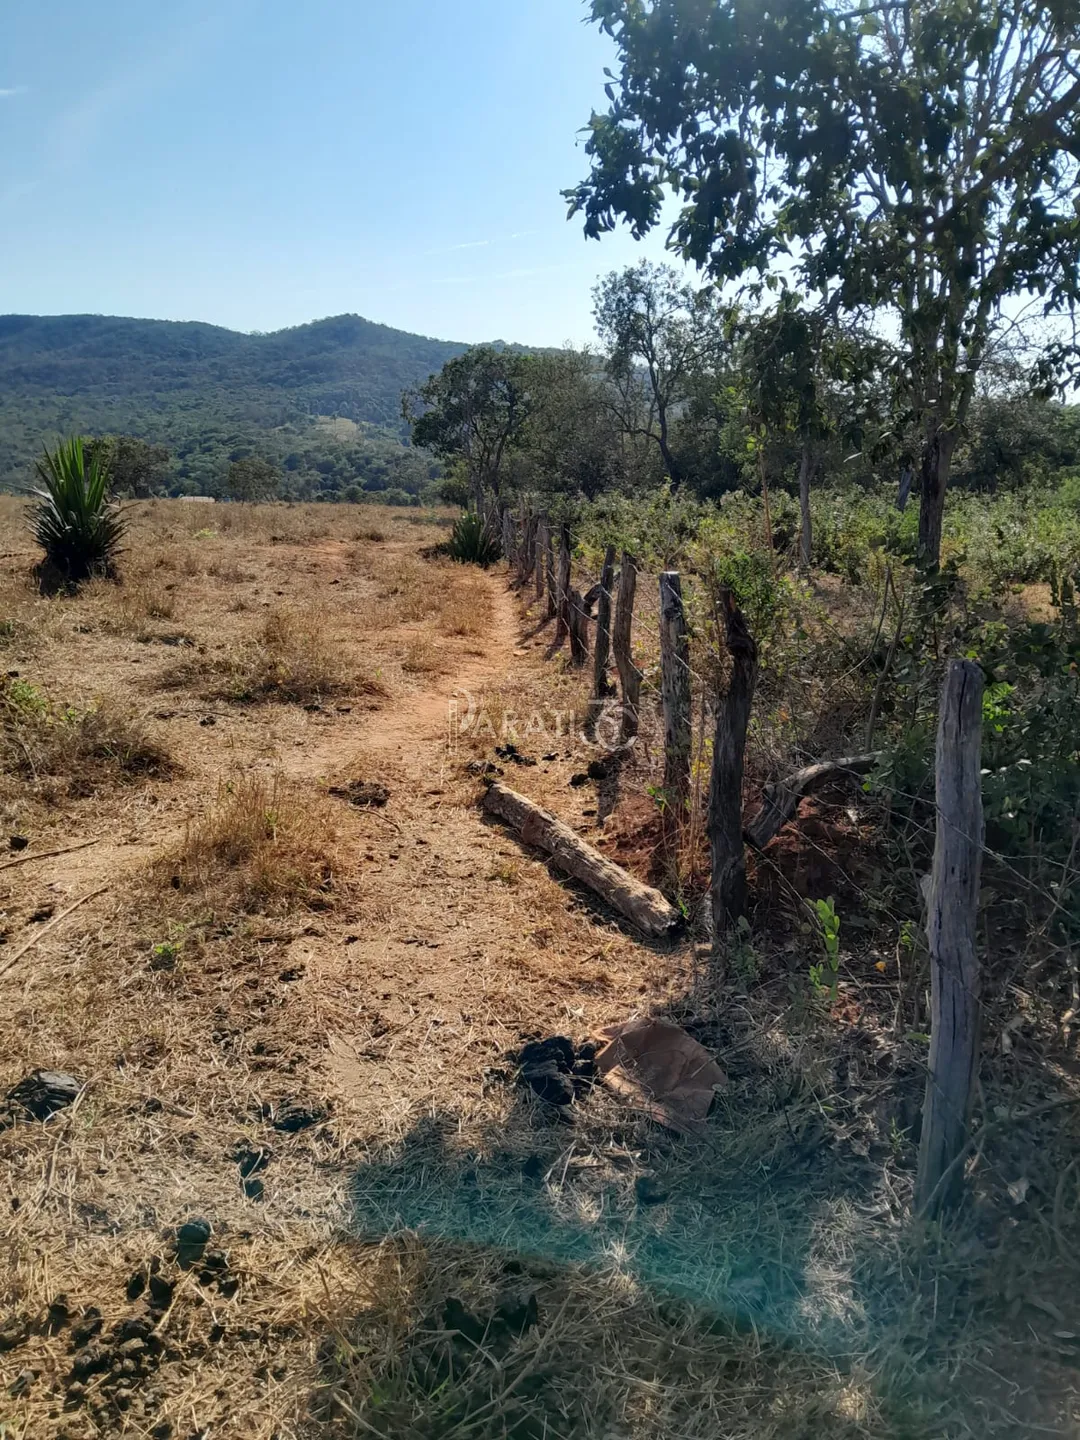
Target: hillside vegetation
209,395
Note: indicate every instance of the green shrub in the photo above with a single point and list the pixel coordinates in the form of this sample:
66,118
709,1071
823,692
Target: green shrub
471,542
75,522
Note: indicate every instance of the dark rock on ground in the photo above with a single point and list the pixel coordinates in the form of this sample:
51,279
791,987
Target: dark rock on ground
161,1292
291,1116
650,1190
86,1327
44,1092
547,1067
251,1159
91,1359
510,752
361,792
14,1332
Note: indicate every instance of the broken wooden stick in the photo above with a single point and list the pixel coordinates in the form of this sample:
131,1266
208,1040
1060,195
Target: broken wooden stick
781,797
52,924
641,904
29,855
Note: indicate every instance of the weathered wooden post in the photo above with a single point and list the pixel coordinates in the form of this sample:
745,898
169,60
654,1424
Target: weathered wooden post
507,536
602,647
724,822
562,599
952,908
549,571
528,547
675,691
539,554
629,674
578,622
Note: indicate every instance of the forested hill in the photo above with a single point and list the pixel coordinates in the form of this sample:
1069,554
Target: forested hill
196,387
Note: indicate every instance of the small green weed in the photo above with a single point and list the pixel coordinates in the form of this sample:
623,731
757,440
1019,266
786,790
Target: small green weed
824,976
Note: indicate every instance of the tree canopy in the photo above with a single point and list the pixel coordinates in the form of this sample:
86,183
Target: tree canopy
909,159
472,410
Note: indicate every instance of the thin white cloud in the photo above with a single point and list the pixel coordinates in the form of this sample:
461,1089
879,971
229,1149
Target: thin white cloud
526,274
478,244
450,249
12,90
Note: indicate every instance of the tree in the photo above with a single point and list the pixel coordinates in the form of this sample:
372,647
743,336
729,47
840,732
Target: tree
806,377
135,467
914,158
655,330
251,478
472,410
570,441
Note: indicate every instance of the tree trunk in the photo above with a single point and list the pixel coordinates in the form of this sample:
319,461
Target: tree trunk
724,824
629,674
639,903
952,909
602,649
670,465
933,480
806,534
675,692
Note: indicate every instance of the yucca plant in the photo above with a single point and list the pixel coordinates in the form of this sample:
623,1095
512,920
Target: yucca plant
472,542
75,522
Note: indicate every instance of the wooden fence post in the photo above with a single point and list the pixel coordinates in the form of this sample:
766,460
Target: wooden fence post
578,622
562,598
528,547
629,674
675,691
539,554
952,908
549,571
602,648
507,536
724,823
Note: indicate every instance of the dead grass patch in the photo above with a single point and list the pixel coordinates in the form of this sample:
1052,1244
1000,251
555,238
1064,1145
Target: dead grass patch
410,587
422,657
293,659
466,610
264,844
102,743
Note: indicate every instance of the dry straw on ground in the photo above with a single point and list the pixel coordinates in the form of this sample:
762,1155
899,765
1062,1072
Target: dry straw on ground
305,1041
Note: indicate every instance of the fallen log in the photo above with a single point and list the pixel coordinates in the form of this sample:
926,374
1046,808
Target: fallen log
781,797
641,904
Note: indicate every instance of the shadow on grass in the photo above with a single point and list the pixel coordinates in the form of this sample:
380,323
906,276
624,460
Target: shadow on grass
542,1276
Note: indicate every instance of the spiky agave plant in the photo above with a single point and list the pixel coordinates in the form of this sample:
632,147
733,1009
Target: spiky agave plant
75,522
472,542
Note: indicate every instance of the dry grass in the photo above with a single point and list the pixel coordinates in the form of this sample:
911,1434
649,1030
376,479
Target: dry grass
263,845
295,658
364,973
423,657
85,747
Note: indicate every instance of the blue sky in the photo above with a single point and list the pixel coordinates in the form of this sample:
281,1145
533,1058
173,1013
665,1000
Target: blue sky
259,163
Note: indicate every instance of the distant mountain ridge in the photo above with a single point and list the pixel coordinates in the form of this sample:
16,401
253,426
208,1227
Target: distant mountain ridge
166,380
